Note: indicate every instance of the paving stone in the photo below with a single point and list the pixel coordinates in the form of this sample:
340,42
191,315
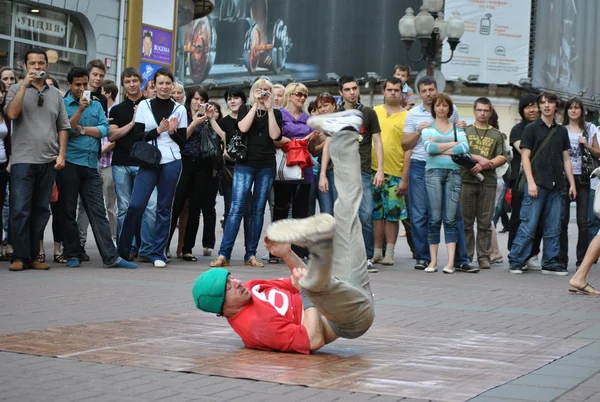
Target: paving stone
563,370
522,392
547,381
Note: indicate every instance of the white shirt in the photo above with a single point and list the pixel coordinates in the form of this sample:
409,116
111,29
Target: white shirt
415,117
575,152
168,148
3,135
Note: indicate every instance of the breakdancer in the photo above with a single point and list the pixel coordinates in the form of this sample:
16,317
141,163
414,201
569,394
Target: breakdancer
329,299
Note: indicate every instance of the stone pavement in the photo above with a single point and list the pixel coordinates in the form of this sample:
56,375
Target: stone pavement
491,306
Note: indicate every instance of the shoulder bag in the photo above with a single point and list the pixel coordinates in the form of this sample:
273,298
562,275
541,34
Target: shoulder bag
522,180
285,172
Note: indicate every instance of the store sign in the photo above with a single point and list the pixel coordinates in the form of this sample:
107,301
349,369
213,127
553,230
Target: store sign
495,46
44,26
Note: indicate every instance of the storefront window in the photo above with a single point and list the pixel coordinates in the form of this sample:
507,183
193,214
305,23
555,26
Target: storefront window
5,17
42,26
76,35
60,35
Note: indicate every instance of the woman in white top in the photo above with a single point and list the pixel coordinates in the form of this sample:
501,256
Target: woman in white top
161,122
584,155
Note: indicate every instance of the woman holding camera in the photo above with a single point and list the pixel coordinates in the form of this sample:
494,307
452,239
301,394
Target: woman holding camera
261,125
163,123
198,182
442,179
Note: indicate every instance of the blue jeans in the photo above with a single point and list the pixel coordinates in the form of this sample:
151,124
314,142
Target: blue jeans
365,214
443,191
31,188
123,179
243,179
326,201
165,178
550,205
419,216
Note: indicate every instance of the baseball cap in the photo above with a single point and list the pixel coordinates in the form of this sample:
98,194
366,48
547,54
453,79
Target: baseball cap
209,290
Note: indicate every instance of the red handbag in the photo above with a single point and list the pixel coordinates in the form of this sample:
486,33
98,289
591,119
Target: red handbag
298,154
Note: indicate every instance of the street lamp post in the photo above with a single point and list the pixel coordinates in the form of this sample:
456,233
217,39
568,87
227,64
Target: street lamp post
431,30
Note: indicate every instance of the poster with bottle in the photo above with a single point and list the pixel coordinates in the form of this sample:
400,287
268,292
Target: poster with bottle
495,46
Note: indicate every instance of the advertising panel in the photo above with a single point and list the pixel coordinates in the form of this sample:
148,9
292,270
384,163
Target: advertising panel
566,57
495,46
302,40
156,45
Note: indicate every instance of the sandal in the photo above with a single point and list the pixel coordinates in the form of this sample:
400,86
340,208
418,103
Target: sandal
586,290
273,260
253,262
40,257
59,258
220,261
189,257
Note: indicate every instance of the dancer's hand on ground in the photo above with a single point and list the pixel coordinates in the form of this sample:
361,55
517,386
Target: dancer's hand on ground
280,250
297,274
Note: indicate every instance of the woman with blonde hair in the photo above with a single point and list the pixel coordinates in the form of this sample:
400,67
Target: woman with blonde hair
260,124
294,195
178,93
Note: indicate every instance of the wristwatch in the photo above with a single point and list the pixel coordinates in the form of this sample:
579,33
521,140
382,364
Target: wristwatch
82,131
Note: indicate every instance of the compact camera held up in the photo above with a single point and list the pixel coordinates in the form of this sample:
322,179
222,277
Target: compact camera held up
40,74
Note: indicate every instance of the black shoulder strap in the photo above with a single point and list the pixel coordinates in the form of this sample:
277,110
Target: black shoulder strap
544,143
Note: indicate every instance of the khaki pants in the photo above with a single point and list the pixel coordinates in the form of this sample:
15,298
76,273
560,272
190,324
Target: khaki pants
478,202
342,292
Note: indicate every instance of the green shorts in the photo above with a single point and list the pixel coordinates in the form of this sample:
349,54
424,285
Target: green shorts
386,204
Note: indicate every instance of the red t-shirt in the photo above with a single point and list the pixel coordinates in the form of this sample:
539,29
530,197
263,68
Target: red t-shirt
273,319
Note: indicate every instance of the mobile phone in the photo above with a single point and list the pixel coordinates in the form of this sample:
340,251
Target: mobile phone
202,108
87,95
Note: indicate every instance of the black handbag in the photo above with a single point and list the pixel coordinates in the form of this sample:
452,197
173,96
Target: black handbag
236,148
211,146
145,154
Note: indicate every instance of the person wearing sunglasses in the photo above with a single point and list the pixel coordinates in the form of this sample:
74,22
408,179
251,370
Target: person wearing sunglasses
294,195
39,139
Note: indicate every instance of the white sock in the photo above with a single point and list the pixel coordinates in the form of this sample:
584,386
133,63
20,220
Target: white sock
389,250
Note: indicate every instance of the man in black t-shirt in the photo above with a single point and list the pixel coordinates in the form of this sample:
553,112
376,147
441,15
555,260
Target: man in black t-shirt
529,111
124,169
370,137
545,156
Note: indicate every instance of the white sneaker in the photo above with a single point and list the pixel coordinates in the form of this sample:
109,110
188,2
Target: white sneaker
207,251
159,264
534,263
334,122
303,232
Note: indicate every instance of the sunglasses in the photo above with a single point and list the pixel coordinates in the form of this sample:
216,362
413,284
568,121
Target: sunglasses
40,99
300,95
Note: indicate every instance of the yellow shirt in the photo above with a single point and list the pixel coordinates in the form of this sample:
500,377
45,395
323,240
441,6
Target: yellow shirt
392,130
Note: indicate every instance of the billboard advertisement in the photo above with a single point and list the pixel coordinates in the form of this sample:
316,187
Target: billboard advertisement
495,46
566,57
302,40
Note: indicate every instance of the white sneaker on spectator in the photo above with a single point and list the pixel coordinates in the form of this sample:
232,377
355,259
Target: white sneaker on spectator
534,263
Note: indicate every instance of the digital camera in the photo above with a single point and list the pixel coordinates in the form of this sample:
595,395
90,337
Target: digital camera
264,93
40,74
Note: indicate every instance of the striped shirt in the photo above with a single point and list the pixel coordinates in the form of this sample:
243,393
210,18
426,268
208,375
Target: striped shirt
432,137
415,117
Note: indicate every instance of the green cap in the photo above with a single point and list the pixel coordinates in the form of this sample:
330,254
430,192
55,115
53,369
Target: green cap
209,290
